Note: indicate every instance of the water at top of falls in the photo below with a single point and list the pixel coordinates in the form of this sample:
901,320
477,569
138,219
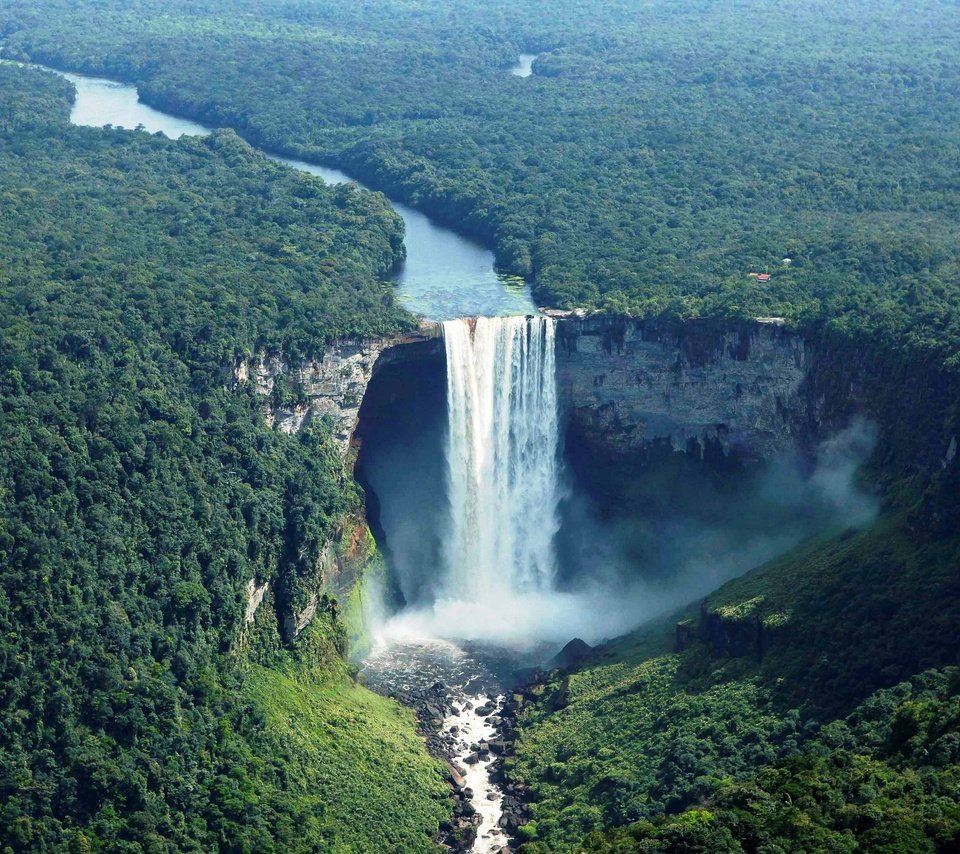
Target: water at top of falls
444,275
501,456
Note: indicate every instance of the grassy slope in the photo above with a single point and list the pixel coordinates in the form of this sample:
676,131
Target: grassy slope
360,762
348,763
644,730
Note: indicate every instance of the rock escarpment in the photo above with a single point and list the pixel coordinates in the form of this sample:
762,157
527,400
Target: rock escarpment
630,386
331,385
624,384
633,393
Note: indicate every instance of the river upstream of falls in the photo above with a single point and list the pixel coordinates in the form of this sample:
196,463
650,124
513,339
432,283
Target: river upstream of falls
445,275
501,457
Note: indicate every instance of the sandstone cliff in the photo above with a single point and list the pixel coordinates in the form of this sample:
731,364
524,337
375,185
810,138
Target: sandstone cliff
331,385
628,385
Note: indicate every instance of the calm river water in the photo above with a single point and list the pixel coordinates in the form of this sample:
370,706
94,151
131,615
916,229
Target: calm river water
445,275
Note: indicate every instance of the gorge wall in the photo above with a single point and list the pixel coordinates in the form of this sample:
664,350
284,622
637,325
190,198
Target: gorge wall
625,385
331,385
675,402
628,390
632,387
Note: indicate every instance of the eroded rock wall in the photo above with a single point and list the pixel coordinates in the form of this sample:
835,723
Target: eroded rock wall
330,385
628,386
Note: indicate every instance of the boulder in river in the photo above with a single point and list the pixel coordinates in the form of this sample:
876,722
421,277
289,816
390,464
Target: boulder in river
456,777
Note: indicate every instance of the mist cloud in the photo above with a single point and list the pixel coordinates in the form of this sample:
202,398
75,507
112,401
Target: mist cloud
624,571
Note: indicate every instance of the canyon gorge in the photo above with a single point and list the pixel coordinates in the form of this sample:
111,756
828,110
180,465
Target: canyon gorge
741,409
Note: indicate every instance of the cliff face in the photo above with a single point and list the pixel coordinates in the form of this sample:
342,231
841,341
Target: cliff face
332,385
635,392
625,385
629,386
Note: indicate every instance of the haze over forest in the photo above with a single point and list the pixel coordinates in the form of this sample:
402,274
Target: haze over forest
659,554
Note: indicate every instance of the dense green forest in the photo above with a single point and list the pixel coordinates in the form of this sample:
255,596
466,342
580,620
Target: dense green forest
884,779
139,496
772,728
659,153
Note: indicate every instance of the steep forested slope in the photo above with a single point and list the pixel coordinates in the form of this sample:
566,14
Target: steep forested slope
793,711
660,152
139,497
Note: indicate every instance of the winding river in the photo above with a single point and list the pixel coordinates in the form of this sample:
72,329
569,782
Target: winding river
444,276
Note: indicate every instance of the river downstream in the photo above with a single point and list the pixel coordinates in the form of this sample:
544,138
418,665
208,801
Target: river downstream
459,693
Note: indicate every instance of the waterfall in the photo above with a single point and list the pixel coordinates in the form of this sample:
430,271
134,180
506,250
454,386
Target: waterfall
501,456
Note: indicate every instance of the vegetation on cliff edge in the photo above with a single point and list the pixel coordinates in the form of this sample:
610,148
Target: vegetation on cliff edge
139,496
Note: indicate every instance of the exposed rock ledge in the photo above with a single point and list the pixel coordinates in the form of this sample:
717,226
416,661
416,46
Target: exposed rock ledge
630,384
332,385
625,384
255,594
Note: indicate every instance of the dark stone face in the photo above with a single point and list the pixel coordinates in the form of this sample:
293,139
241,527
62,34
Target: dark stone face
685,462
400,466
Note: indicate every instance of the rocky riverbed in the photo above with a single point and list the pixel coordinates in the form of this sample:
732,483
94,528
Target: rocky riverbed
464,700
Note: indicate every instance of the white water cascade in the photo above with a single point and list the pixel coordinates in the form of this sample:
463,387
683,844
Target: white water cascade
501,457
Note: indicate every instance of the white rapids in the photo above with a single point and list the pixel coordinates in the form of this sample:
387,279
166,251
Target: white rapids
473,729
471,686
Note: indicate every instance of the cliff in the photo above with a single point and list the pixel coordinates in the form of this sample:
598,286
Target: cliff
624,384
632,393
629,386
330,385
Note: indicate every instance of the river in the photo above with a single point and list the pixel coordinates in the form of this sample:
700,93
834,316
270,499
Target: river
460,693
445,275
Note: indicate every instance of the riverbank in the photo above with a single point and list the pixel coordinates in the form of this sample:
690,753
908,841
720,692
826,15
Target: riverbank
444,275
466,702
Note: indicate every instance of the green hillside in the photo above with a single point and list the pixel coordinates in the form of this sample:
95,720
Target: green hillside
799,714
139,496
